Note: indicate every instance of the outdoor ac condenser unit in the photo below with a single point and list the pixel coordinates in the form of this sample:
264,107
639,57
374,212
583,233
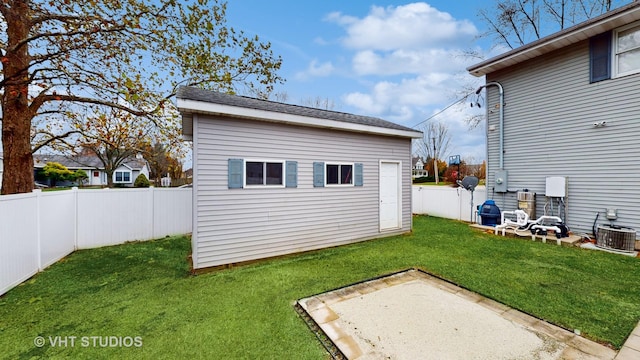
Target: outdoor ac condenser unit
616,237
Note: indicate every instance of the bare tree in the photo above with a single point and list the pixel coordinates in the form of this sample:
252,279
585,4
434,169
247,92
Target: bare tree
435,141
513,23
280,96
434,144
319,103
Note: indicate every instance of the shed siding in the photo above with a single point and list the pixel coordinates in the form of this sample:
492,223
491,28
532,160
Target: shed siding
235,225
549,115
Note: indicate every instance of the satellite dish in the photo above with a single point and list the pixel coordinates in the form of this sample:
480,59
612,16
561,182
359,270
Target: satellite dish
469,183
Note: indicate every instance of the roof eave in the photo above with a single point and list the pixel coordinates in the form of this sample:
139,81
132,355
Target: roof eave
189,107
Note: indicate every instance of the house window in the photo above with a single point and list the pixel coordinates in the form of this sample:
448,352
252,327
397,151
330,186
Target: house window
243,173
122,177
264,173
339,174
627,50
96,174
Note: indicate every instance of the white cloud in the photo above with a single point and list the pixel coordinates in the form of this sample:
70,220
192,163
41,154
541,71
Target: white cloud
316,69
406,61
368,103
394,99
412,25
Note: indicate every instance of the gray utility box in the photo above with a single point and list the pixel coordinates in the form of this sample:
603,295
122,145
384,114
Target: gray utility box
501,181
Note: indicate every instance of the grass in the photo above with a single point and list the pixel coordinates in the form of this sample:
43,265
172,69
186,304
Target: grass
145,290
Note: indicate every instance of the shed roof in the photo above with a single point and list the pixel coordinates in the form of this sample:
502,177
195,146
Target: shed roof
605,22
197,101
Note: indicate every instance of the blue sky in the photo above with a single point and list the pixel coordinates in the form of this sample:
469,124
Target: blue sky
396,60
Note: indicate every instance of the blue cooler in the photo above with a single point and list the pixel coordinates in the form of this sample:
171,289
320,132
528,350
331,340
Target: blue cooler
489,213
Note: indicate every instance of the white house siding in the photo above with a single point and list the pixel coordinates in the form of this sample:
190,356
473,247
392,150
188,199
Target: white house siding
550,109
235,225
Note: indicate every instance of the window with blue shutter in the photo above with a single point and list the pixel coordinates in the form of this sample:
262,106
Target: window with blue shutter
236,173
318,174
250,173
292,174
337,174
358,178
600,57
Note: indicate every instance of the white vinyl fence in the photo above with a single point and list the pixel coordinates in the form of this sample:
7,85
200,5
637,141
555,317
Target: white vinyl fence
40,228
447,202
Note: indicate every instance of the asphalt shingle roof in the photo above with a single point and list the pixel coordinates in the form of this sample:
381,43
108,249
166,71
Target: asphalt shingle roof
196,94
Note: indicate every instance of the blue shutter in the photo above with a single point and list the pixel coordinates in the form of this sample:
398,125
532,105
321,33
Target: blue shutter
292,174
357,174
318,174
600,57
236,173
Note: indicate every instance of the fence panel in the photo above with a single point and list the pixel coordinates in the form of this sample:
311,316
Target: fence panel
171,211
38,229
114,216
447,202
19,253
57,225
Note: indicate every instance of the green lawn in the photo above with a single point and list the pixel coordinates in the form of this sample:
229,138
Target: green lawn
144,290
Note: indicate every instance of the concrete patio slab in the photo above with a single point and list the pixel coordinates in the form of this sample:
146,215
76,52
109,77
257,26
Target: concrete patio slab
413,315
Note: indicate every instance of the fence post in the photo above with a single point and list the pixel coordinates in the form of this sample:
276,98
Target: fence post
151,211
459,203
75,217
38,193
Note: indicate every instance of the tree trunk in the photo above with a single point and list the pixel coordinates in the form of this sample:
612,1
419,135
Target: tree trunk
16,114
109,177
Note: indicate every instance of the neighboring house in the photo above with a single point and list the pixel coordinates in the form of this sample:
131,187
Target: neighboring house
124,175
571,109
418,168
271,179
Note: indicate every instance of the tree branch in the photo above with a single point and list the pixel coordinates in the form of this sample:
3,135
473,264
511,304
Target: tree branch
53,138
43,98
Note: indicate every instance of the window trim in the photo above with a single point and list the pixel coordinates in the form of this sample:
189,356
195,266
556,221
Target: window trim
339,164
614,50
264,185
115,181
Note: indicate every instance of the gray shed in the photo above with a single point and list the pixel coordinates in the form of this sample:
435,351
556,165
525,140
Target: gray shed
271,179
571,111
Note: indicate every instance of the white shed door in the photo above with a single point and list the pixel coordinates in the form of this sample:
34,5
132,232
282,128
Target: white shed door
390,202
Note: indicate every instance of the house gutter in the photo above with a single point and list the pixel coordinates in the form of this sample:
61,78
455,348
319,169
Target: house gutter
495,83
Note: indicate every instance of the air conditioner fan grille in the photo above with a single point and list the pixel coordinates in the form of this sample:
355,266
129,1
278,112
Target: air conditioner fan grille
618,238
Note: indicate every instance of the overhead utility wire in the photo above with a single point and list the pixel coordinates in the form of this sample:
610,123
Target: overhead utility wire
443,110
